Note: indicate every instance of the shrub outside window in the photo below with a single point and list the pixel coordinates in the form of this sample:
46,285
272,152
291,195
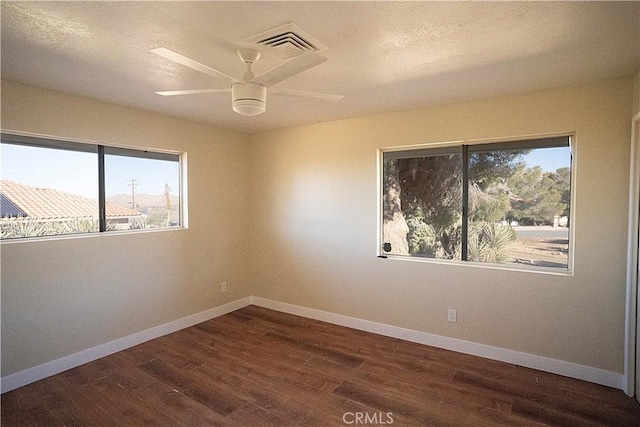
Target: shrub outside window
499,203
50,187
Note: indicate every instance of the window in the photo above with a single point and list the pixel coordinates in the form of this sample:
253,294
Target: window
50,187
501,203
147,183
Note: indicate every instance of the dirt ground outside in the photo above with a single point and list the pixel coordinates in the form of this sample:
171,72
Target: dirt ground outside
541,246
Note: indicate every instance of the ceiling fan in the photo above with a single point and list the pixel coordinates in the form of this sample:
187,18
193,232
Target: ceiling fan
249,95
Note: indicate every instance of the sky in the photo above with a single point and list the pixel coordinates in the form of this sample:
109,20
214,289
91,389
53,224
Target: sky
77,172
549,159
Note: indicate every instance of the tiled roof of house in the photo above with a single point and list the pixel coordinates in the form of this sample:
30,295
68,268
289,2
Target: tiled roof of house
45,203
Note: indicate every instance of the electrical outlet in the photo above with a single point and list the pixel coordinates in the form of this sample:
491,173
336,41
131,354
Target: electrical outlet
452,315
223,286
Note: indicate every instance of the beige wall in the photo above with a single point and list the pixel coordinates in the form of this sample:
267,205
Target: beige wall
291,215
65,295
314,203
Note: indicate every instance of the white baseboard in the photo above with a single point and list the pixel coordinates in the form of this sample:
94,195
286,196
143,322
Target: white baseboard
30,375
573,370
555,366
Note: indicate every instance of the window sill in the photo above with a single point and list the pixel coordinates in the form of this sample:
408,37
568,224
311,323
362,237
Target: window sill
470,264
20,240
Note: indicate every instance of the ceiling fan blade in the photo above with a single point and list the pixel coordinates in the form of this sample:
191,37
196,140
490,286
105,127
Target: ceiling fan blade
306,94
190,92
290,68
194,65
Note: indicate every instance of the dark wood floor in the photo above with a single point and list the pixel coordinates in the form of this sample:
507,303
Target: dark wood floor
259,367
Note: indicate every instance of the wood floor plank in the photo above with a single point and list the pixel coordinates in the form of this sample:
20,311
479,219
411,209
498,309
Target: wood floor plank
386,364
20,400
567,400
114,370
251,415
24,406
388,401
316,350
431,390
36,415
124,406
549,416
486,417
255,391
335,410
182,409
211,394
68,405
259,367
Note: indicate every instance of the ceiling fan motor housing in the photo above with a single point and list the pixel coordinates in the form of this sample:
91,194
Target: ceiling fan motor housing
249,98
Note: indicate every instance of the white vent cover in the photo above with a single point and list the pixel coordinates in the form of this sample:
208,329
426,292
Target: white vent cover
286,41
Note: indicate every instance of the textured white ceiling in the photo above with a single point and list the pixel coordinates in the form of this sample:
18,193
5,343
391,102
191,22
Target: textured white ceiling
383,56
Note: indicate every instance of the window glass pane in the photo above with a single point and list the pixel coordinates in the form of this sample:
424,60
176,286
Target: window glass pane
516,206
519,210
490,237
141,192
422,206
47,191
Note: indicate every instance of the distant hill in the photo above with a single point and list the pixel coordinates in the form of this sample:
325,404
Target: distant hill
143,201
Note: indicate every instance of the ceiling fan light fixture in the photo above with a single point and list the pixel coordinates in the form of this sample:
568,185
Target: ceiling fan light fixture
249,98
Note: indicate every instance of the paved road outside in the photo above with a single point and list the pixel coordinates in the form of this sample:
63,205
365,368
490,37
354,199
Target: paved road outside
543,246
542,231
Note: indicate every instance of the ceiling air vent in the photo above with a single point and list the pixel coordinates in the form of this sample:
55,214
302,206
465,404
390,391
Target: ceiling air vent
286,41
